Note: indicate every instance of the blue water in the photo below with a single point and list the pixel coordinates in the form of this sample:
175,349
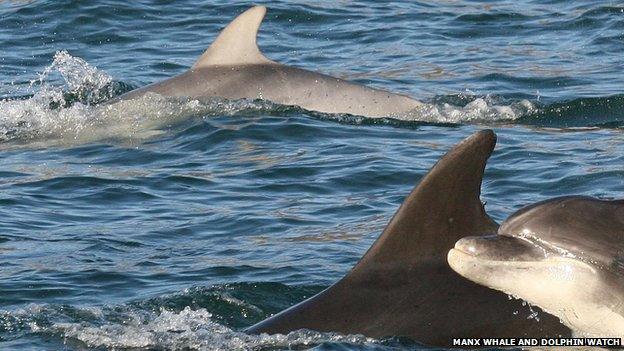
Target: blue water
174,224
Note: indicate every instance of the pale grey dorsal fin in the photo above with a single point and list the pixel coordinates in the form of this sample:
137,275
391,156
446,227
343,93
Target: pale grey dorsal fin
236,44
444,207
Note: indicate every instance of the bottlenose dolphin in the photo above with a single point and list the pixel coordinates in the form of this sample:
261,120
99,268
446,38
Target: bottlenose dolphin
565,255
234,68
403,286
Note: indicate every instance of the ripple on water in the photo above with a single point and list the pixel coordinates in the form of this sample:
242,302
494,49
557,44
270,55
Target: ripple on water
173,322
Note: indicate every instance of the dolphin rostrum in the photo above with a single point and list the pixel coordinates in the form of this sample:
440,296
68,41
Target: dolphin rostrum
403,285
565,255
234,68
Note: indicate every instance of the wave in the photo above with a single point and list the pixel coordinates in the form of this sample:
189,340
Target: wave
73,111
160,323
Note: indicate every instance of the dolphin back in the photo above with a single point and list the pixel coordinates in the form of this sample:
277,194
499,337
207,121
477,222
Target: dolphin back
233,67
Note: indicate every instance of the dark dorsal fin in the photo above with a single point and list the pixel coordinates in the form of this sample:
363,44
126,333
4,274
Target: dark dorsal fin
236,44
444,207
403,285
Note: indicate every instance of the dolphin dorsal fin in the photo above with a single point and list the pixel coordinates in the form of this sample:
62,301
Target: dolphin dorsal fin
236,44
444,207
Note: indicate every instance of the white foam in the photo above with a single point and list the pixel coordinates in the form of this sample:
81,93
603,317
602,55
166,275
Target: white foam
478,110
187,329
48,115
127,327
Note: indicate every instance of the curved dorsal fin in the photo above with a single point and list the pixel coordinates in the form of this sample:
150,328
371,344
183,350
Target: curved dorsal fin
236,44
444,207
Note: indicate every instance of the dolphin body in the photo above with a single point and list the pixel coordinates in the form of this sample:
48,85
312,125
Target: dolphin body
234,68
403,285
565,255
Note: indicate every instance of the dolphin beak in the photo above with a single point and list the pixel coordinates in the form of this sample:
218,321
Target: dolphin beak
500,248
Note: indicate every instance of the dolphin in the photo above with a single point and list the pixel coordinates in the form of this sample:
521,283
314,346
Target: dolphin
234,68
565,255
403,285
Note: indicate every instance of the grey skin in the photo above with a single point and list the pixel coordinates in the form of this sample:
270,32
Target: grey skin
234,68
565,255
403,286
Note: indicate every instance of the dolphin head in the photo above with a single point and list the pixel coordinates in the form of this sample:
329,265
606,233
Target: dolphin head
565,255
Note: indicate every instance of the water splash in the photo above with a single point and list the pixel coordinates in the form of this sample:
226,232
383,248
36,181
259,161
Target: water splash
533,314
124,327
51,111
86,83
480,109
69,112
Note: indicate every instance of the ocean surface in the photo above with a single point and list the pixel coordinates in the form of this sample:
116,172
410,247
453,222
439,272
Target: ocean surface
173,224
